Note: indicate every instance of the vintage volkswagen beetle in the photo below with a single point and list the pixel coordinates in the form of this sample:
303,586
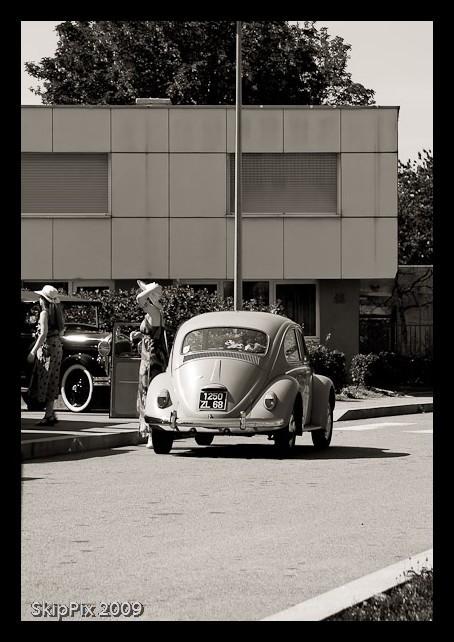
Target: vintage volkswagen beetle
85,368
239,373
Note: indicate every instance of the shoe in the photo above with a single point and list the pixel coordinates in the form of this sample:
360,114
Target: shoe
149,443
54,418
47,421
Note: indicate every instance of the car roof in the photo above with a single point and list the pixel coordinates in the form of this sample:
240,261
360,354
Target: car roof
264,321
28,296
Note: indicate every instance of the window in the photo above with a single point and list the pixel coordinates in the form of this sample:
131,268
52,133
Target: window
286,183
64,184
251,290
298,300
291,349
229,339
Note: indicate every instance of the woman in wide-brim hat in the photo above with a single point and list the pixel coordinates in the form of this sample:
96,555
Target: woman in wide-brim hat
47,354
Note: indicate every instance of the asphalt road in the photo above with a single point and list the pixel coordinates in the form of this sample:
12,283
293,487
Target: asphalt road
228,532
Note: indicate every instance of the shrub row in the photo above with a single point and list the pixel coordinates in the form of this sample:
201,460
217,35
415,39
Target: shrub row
390,370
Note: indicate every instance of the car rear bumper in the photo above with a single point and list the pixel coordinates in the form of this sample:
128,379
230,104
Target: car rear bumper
217,425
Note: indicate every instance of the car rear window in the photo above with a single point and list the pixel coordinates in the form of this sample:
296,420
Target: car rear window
225,338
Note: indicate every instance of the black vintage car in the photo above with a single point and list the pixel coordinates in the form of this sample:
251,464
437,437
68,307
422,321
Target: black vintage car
85,369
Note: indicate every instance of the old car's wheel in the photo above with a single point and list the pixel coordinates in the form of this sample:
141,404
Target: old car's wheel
162,442
322,438
77,388
285,439
203,440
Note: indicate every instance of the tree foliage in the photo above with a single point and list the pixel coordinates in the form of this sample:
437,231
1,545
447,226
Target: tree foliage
105,63
415,210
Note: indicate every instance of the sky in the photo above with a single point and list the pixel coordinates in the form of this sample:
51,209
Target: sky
392,57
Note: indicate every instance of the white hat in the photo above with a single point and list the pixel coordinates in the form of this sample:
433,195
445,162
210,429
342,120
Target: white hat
151,291
49,293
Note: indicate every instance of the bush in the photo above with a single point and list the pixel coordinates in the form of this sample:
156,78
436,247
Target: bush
330,363
390,370
179,302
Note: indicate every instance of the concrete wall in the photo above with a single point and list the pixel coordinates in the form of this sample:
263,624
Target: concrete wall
339,305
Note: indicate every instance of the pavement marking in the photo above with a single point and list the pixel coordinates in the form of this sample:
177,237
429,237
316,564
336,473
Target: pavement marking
339,599
383,424
429,431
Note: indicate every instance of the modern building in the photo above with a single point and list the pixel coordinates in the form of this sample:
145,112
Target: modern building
111,194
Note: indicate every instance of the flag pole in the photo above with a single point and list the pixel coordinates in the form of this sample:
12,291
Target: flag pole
237,277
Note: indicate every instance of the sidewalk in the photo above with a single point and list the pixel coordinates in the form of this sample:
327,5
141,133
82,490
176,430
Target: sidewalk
77,432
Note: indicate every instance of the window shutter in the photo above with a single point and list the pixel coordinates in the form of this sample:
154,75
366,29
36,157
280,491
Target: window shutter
64,184
293,183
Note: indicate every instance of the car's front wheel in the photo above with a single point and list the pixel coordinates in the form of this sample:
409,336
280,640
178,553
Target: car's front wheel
77,388
204,440
162,442
322,438
285,439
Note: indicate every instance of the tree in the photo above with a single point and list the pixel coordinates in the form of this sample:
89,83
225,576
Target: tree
104,62
415,210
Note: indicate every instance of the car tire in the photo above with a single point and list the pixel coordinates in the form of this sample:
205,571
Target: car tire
162,442
285,439
203,440
322,438
77,388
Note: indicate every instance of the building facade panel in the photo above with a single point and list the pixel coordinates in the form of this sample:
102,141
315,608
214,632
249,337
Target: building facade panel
197,130
369,185
82,251
36,249
140,248
262,242
369,248
197,248
140,129
308,130
262,130
198,185
36,129
369,130
339,319
140,185
80,129
312,248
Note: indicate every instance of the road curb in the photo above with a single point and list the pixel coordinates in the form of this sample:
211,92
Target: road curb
385,411
50,446
327,604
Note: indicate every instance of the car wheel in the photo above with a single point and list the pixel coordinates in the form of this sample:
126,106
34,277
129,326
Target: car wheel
32,404
285,439
77,388
162,442
203,440
322,438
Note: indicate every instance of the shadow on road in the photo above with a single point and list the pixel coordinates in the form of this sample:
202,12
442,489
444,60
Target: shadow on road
254,451
83,454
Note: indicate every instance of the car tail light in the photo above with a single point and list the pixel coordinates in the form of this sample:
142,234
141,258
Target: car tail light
163,398
270,401
104,348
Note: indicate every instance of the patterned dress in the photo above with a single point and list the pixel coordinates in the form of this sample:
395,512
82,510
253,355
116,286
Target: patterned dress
45,383
152,361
